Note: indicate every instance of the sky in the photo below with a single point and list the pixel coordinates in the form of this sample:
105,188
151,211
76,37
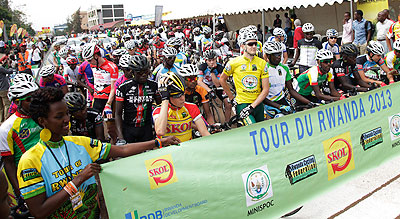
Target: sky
47,13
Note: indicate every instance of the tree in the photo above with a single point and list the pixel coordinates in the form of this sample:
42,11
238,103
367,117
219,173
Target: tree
11,17
74,23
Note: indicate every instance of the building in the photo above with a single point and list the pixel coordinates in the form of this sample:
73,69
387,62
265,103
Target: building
105,14
84,20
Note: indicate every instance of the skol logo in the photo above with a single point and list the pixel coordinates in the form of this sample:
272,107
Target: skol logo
161,171
339,155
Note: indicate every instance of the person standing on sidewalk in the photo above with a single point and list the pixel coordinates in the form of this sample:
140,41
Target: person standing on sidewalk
362,32
4,85
382,27
347,37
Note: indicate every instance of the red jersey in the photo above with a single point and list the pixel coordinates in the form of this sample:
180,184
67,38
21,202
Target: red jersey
103,76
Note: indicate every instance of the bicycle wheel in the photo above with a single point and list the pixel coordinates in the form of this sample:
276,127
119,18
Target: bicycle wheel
215,112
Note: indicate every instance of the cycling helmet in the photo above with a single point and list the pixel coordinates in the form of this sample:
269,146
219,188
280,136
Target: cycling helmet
124,60
95,41
209,54
243,30
138,63
89,50
272,47
75,101
396,45
72,60
307,27
375,47
188,70
21,89
331,33
63,53
23,77
246,36
251,28
119,52
196,30
323,54
349,49
207,30
219,33
131,44
126,36
178,83
169,51
47,70
174,41
279,32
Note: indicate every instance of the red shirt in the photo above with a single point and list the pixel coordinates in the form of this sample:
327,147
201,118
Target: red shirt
103,77
298,35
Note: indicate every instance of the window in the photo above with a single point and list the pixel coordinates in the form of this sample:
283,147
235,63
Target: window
106,6
118,12
107,13
118,6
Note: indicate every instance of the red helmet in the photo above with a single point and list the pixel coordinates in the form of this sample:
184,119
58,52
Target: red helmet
171,33
72,60
22,44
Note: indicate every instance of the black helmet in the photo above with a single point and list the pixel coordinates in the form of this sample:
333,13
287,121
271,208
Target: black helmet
138,63
349,49
178,84
75,101
209,54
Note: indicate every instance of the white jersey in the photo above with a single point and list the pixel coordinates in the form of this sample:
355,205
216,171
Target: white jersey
278,75
334,49
72,75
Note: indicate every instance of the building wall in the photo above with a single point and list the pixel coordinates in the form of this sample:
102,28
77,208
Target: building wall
105,14
84,17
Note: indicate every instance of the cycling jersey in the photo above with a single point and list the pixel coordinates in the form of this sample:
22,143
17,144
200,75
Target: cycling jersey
364,63
343,69
103,77
198,96
206,43
311,77
224,50
119,81
180,120
197,40
308,49
392,61
334,49
161,70
39,172
247,75
394,30
205,73
137,99
278,75
86,71
180,59
71,74
159,48
58,81
18,134
93,119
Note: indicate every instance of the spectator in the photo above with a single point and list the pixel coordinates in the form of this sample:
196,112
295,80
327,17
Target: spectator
362,32
288,25
298,33
2,46
347,30
277,21
393,34
4,85
382,27
387,14
36,55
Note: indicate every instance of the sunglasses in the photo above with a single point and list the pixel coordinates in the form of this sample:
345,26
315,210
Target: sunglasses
277,54
330,61
27,98
177,95
191,79
333,38
252,44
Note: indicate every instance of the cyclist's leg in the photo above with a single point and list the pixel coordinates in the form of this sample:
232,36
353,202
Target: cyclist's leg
258,113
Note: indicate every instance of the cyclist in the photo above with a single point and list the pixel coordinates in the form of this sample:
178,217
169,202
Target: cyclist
18,133
345,71
18,78
280,36
71,73
168,65
208,77
158,46
105,74
252,29
392,59
222,45
372,59
196,38
181,57
175,116
280,79
50,79
311,80
195,93
250,75
134,102
124,66
85,79
306,49
132,47
206,42
331,45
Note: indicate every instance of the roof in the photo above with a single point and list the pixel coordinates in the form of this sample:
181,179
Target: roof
106,25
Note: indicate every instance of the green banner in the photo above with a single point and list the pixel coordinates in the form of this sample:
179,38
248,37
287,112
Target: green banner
262,171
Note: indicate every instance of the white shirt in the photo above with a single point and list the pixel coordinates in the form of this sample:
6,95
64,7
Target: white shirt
36,55
382,29
180,35
2,44
347,32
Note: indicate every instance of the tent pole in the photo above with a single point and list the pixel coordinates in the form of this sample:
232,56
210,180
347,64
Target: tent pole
263,25
351,10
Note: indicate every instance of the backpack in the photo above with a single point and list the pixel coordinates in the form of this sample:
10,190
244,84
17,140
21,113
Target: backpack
372,28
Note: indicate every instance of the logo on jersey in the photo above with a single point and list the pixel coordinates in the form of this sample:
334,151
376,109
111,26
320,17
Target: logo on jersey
279,72
29,174
94,143
24,133
243,67
250,82
257,185
228,67
339,155
161,171
254,67
394,126
184,114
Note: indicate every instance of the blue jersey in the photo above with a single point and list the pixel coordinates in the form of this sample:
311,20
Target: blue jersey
160,70
180,59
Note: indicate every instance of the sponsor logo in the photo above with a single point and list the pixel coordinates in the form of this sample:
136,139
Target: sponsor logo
94,143
243,67
228,67
301,169
29,174
257,185
394,126
24,133
179,127
184,114
339,155
254,67
260,207
250,82
371,138
279,72
161,171
395,144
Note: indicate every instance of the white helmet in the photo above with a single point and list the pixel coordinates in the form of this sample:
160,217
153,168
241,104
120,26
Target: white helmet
243,30
47,70
196,29
124,60
21,89
63,53
272,47
89,50
189,70
246,36
207,30
169,51
251,28
23,77
375,47
331,33
307,27
130,44
396,44
126,36
119,52
95,41
279,32
323,54
174,41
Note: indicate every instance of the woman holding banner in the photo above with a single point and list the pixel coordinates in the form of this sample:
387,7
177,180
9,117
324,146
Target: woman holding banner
62,167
